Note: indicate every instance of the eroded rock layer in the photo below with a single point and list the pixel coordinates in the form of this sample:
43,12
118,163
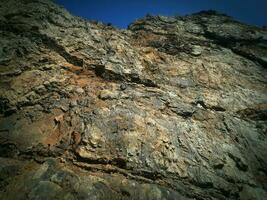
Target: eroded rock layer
171,108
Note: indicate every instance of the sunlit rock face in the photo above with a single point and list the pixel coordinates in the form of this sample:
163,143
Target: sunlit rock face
171,108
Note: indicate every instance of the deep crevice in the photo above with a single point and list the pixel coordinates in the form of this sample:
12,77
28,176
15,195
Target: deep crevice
230,43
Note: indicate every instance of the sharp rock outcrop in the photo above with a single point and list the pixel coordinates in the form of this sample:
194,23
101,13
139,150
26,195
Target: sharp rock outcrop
171,108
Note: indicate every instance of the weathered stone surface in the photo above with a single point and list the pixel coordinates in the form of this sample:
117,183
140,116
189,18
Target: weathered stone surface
171,108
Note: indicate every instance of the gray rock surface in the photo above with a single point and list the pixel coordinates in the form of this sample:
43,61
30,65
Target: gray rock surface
171,108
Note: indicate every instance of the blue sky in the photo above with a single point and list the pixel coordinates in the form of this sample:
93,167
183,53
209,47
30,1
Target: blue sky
122,12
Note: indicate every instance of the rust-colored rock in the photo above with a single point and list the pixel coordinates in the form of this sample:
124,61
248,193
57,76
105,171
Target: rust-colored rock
171,108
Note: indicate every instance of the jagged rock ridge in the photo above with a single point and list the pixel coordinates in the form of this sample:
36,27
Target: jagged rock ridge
171,108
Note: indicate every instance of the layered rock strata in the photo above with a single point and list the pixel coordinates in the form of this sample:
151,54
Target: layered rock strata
170,108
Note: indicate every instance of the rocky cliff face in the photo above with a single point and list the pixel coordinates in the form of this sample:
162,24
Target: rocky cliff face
171,108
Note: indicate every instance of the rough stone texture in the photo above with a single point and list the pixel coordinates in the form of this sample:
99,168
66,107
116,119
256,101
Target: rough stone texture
171,108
